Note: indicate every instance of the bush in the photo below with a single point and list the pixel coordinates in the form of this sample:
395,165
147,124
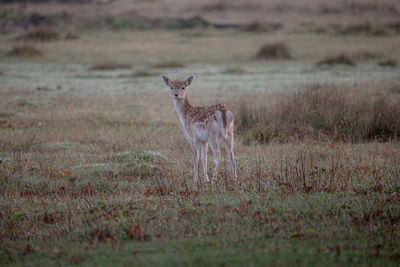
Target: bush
145,73
337,60
24,51
109,66
274,51
41,34
257,26
391,63
195,22
365,28
322,112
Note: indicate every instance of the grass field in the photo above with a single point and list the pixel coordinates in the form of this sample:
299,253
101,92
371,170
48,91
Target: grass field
94,168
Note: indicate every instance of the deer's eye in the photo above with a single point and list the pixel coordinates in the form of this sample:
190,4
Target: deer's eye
171,88
183,88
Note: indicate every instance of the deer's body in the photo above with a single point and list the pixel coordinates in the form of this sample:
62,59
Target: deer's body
203,126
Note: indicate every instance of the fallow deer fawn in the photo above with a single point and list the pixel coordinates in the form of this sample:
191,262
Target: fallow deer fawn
203,125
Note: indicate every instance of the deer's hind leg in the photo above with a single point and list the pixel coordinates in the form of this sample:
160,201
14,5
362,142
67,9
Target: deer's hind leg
228,140
217,156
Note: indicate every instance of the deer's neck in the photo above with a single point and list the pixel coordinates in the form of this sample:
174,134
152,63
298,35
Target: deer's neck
182,107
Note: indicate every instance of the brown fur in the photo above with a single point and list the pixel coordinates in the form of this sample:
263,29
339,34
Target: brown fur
204,113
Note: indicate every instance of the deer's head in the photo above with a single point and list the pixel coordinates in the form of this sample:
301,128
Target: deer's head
178,87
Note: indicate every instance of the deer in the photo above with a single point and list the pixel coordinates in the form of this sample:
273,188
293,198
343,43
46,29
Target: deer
203,126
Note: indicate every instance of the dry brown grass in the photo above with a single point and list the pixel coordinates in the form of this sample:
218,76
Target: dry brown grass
88,180
24,50
41,34
323,112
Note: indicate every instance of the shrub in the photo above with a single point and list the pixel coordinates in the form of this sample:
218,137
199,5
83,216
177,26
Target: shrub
256,26
274,51
365,55
322,112
337,60
388,63
366,29
196,22
110,66
394,26
144,73
41,34
24,51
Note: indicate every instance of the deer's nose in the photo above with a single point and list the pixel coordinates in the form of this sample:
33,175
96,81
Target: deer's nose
176,94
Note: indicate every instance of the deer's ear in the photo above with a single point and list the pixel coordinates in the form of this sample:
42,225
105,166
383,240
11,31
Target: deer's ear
189,80
166,80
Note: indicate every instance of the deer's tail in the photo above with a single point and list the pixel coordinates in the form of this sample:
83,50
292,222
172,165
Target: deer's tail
222,110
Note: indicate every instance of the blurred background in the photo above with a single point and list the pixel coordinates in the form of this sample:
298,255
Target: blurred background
248,54
270,45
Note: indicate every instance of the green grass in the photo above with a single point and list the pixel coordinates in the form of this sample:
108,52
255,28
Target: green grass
229,229
213,253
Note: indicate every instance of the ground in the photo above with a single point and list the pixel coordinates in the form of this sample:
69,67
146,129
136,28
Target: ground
95,170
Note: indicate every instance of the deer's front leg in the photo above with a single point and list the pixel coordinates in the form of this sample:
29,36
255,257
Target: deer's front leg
196,157
204,148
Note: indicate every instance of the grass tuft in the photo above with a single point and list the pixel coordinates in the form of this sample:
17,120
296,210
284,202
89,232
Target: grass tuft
257,26
41,34
196,22
391,63
337,60
144,73
24,51
274,51
110,66
365,29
